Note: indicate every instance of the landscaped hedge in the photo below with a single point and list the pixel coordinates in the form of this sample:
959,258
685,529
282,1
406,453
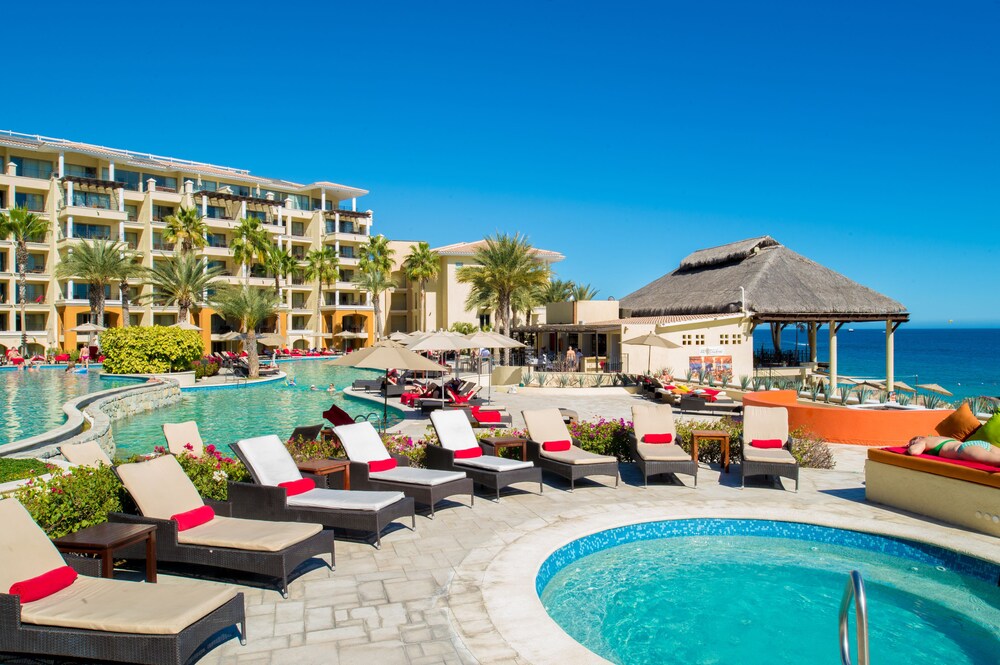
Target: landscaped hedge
150,350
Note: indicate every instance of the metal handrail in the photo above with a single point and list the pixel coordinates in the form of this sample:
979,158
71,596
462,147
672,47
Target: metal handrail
855,590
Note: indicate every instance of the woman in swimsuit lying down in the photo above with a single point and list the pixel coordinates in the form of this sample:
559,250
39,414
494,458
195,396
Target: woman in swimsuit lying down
942,446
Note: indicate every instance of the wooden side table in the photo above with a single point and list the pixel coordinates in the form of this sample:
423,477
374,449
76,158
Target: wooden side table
324,467
711,435
493,444
104,539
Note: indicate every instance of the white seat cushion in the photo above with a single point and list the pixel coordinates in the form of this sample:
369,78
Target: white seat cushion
546,425
769,455
454,430
492,463
662,452
254,535
345,499
578,456
414,476
269,461
653,419
361,442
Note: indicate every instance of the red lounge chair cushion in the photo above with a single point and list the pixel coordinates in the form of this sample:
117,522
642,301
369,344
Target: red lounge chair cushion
556,446
457,399
469,453
381,465
989,468
300,486
44,585
62,357
193,518
711,392
767,443
658,438
486,416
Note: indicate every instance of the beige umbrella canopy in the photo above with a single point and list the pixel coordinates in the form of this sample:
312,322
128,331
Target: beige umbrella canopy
350,334
899,385
271,339
499,341
934,388
387,355
401,337
185,325
650,340
88,328
439,341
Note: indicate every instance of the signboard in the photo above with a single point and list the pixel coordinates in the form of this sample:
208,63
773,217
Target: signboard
717,366
711,351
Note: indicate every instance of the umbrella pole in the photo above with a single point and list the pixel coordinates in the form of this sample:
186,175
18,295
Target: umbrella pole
385,401
489,396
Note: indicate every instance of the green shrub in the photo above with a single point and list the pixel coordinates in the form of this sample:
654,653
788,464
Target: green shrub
69,502
710,452
211,472
18,469
810,451
150,350
604,437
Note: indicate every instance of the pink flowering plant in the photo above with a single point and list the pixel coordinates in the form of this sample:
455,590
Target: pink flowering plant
400,444
68,502
604,437
211,472
302,449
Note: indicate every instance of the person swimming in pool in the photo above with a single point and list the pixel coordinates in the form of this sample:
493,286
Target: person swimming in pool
943,446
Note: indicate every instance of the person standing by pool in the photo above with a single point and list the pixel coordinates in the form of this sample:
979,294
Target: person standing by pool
570,359
85,356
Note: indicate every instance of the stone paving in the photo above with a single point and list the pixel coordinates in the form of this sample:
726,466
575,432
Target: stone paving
459,589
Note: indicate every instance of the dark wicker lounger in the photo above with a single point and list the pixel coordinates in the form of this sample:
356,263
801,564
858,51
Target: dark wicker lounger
425,495
767,423
268,502
547,424
658,467
659,419
444,459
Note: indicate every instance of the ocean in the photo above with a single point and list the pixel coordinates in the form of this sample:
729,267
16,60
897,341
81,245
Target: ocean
965,361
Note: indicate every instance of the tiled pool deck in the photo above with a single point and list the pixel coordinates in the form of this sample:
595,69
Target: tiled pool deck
460,589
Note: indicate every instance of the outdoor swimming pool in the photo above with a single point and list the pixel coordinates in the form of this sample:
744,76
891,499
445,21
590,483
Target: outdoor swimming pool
752,591
225,416
31,402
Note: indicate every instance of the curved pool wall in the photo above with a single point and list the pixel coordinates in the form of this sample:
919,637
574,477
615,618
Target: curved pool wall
888,545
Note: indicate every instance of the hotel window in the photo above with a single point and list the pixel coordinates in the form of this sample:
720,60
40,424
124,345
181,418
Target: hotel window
81,171
724,339
32,168
135,319
699,339
34,202
238,190
160,213
133,293
279,197
299,252
163,183
208,185
35,263
82,318
346,275
300,201
164,319
215,212
298,301
216,240
92,200
130,179
91,231
686,339
221,265
131,212
347,227
737,338
258,215
298,229
298,323
31,322
32,293
346,252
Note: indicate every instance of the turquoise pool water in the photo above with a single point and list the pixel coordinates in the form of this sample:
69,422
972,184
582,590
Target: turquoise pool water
31,402
225,416
728,597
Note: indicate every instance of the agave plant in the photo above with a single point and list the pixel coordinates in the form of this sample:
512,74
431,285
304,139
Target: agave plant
617,380
758,383
845,394
711,380
934,401
726,378
814,390
903,399
688,374
701,374
826,393
581,380
599,380
883,396
864,393
768,382
744,382
542,378
528,377
563,380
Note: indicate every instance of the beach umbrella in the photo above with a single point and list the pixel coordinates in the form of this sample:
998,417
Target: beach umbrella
650,340
491,340
185,325
934,388
90,329
899,385
400,337
271,339
386,356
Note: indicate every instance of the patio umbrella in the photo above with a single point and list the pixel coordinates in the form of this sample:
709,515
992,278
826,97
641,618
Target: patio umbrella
934,388
385,357
491,340
271,339
185,325
650,340
401,337
899,385
90,329
350,334
232,336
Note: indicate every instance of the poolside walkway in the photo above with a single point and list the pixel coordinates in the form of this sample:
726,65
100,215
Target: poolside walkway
444,593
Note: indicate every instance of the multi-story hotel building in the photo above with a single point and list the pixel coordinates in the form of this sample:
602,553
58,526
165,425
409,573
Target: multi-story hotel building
88,191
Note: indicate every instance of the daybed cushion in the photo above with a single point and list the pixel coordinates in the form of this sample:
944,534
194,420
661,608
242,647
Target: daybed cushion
95,603
345,500
361,442
768,455
180,434
492,463
935,465
268,461
454,430
958,425
254,535
989,432
577,456
653,419
88,453
765,422
415,476
662,452
546,425
160,487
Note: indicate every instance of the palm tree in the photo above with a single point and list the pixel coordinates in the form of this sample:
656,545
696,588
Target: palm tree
186,230
505,265
180,281
250,307
21,226
250,244
128,270
321,265
376,255
280,263
557,290
376,283
100,263
583,292
421,265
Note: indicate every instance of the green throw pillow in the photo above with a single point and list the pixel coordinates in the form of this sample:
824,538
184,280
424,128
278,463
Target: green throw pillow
990,431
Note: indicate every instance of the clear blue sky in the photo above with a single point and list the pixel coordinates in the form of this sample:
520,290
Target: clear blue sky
865,135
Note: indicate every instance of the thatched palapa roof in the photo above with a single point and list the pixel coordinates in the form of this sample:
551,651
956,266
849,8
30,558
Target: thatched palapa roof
780,285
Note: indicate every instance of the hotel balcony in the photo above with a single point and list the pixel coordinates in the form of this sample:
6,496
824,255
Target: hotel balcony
212,250
349,261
